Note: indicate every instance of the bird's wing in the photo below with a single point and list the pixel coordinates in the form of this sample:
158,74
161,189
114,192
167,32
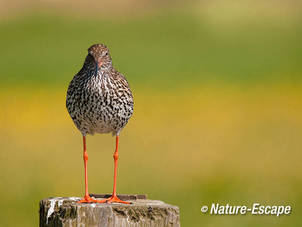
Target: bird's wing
120,77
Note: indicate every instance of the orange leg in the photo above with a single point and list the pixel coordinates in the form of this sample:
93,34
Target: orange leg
114,198
87,198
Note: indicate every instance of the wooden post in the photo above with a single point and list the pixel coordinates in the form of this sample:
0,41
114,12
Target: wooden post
65,211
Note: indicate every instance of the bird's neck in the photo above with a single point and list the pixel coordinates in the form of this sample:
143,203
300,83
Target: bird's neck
103,71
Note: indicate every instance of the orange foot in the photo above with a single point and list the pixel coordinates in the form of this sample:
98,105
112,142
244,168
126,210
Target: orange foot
113,199
88,199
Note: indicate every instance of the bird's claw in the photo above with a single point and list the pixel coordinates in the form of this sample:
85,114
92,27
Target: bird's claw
114,199
88,199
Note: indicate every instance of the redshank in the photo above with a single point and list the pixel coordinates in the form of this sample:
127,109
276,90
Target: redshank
99,100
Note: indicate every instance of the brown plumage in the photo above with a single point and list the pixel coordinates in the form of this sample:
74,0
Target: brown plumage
99,100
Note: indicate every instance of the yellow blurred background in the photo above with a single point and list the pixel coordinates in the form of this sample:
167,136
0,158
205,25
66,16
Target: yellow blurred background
218,105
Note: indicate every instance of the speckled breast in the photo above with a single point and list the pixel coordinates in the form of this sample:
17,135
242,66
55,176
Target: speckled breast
99,104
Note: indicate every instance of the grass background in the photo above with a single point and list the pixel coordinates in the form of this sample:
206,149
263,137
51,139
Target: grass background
218,107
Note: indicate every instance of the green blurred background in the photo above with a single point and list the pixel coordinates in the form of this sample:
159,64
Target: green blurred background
218,105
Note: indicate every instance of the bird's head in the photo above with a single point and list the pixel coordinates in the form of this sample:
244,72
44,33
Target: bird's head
101,56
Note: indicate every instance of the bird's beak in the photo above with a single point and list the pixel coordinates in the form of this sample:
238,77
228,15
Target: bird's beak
100,63
96,68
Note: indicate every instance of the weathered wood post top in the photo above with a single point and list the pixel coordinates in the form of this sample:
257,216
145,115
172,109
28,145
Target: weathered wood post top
65,211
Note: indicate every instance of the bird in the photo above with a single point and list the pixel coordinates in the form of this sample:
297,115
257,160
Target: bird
99,100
